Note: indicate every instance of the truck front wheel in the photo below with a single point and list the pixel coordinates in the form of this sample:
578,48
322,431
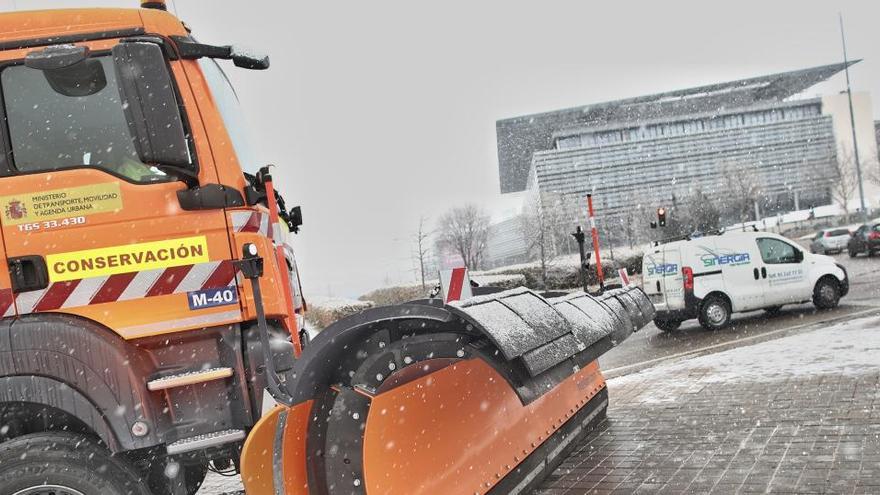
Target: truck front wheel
56,463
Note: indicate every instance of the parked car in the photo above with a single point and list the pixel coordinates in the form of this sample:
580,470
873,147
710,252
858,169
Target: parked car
866,239
711,277
830,241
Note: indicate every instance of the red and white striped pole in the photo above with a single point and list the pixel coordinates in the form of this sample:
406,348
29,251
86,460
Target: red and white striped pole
595,233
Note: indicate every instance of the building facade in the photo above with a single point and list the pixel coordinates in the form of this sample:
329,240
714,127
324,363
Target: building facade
727,141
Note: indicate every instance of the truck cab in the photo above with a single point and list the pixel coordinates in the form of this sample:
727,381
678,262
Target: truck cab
127,324
711,277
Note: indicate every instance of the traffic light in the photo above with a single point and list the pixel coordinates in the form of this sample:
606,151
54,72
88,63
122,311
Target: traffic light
661,217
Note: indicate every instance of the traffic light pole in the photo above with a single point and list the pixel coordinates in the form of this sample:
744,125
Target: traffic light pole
595,232
581,238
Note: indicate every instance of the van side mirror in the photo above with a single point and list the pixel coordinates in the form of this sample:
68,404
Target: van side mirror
151,107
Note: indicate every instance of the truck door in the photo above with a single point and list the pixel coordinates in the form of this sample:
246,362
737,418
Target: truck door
89,228
782,272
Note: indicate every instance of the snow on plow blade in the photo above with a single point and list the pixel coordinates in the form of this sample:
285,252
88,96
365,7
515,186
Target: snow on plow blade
480,396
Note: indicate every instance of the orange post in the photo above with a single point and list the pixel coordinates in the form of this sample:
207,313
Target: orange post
595,233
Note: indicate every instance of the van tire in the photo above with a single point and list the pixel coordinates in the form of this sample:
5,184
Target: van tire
40,461
826,293
714,313
667,325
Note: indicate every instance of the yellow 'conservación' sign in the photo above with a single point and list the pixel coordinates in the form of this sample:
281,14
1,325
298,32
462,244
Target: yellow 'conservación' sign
128,258
61,203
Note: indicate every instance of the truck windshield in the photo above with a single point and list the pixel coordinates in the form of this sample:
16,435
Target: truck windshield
50,130
233,117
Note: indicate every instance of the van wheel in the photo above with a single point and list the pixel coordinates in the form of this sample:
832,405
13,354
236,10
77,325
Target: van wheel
56,463
667,325
714,313
826,294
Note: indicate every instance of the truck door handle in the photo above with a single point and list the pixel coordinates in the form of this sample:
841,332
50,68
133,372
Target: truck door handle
28,273
755,271
658,286
763,272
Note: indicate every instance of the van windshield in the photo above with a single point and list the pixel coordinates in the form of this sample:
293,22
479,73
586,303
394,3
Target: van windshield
50,130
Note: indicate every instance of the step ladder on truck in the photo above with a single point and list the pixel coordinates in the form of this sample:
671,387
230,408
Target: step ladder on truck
152,301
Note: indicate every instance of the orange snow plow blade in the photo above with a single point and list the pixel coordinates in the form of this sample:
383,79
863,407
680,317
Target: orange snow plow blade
483,396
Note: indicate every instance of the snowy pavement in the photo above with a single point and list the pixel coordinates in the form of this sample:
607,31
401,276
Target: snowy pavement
800,414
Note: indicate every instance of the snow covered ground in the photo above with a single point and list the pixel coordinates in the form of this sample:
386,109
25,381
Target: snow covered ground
849,348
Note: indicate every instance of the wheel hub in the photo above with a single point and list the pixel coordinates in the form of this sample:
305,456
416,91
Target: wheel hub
48,490
827,292
716,314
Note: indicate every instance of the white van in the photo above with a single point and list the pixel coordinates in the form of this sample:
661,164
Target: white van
711,277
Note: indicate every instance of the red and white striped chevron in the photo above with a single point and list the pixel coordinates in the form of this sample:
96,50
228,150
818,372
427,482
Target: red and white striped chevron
254,221
120,287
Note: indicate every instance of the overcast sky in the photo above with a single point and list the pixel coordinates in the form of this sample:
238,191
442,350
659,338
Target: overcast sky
379,112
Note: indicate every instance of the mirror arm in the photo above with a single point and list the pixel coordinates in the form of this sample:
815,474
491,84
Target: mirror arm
191,50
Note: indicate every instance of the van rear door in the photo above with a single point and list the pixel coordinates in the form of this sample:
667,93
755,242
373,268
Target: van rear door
652,279
661,277
671,278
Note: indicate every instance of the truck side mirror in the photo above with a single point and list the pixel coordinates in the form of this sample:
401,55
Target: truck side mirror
248,59
296,219
151,107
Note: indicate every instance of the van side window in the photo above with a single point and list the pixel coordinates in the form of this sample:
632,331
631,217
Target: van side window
774,251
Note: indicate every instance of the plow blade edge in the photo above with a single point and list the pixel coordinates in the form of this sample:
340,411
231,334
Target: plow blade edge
480,396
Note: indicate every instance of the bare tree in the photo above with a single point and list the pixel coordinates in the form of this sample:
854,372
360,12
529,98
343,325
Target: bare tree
422,250
538,228
465,230
702,213
631,220
741,184
843,181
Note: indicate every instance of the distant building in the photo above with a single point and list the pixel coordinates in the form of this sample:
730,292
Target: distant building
506,244
651,149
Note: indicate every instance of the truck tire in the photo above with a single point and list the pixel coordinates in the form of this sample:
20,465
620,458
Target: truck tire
64,463
667,325
193,474
826,294
714,313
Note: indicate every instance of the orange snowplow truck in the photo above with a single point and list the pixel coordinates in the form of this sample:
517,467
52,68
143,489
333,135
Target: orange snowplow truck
151,313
